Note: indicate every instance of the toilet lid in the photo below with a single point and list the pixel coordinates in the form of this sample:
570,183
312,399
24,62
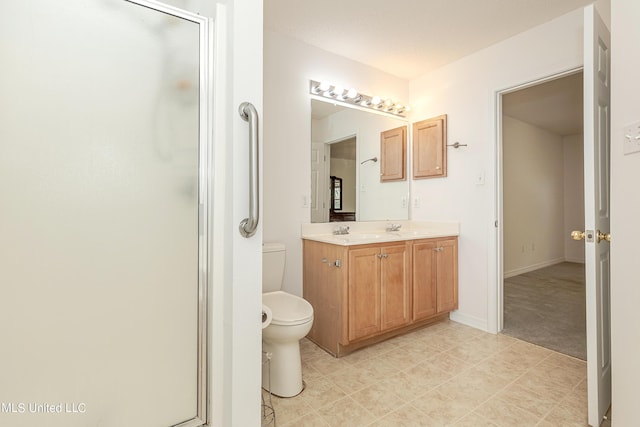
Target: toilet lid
287,309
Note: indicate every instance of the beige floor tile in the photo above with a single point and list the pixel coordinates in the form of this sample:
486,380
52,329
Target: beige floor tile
470,352
566,416
308,350
346,412
506,415
446,362
378,399
494,343
441,408
378,367
426,377
445,342
508,371
444,374
320,393
424,347
361,355
310,373
543,384
327,364
403,359
474,420
406,416
474,385
527,399
566,373
525,354
403,385
289,409
310,420
353,379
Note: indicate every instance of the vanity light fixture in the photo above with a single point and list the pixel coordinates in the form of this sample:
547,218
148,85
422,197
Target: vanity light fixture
320,87
353,97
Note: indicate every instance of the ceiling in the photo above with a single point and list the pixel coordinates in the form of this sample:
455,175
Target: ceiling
408,38
555,105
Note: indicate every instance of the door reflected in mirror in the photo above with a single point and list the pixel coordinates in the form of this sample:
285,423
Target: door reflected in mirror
343,139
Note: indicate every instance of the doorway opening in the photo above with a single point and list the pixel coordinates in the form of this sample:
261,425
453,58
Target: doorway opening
543,286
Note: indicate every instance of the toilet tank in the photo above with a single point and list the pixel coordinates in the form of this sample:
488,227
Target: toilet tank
273,256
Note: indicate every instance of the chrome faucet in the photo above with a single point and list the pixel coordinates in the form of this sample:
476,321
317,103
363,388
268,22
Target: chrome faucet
343,229
394,227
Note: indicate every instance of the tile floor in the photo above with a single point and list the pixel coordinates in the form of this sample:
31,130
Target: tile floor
445,374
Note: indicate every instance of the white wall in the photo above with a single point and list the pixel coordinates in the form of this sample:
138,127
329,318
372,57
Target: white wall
625,211
465,91
288,67
533,200
573,153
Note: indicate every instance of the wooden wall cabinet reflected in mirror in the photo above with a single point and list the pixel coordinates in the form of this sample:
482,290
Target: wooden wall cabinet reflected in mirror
393,154
430,148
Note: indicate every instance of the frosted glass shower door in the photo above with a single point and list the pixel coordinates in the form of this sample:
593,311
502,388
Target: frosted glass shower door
102,214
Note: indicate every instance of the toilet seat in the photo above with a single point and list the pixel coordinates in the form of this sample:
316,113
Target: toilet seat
287,309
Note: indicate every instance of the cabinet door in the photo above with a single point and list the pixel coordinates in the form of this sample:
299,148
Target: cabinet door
447,275
430,148
364,292
393,147
394,268
424,279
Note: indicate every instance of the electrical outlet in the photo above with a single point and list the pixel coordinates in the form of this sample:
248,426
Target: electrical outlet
404,201
416,202
305,201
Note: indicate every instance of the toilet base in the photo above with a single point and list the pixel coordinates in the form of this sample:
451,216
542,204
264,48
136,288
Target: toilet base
285,369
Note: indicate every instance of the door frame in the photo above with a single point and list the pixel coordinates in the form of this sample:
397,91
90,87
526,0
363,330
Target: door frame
496,286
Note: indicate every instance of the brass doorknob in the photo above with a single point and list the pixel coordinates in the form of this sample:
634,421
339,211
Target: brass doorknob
577,235
604,236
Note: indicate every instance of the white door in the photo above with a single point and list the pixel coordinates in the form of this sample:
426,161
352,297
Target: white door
103,230
596,183
319,182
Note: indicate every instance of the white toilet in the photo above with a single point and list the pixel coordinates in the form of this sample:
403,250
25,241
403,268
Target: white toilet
291,321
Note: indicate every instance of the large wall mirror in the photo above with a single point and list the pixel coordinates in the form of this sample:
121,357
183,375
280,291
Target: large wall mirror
344,143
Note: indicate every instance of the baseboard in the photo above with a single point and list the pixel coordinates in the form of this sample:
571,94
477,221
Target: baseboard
533,267
467,319
576,260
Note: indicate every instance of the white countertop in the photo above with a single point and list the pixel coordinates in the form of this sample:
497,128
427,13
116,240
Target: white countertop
364,233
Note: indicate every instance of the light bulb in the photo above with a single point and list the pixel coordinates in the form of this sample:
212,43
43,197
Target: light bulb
324,86
375,100
338,91
352,93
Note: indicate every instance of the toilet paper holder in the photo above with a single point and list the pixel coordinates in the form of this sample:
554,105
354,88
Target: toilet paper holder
267,316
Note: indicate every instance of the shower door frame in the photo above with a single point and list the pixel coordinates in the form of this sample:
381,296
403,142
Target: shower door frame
205,40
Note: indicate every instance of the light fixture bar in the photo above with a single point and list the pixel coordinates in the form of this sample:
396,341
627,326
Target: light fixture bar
353,97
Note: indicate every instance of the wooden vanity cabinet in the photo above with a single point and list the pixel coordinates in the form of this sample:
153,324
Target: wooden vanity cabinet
362,294
378,289
435,277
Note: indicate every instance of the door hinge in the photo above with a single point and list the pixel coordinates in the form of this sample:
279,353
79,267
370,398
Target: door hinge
495,224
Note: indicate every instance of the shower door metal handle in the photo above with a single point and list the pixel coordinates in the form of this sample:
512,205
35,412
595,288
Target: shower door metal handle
249,225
